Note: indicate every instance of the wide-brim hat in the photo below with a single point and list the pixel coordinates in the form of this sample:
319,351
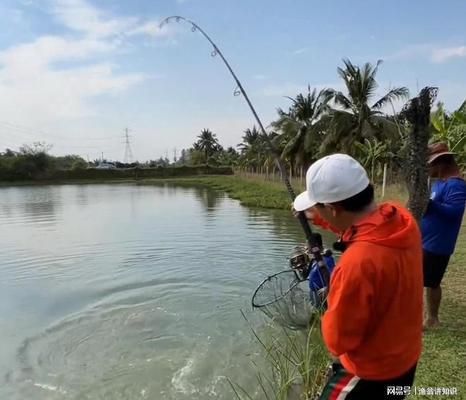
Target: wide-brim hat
437,150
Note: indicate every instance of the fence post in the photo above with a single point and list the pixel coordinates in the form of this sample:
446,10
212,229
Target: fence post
384,182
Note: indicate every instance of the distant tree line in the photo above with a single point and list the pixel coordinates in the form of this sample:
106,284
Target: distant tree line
34,161
316,123
322,122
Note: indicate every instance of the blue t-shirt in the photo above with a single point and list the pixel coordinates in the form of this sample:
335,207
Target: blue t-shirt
316,281
442,220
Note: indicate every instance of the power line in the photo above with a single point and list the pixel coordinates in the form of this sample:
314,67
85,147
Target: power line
128,158
22,130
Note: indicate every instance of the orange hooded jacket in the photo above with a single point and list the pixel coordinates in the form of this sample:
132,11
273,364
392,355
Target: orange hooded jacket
374,318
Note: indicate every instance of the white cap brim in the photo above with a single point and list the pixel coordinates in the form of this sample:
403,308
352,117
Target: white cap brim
303,202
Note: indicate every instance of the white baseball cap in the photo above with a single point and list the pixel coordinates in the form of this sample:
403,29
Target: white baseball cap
332,178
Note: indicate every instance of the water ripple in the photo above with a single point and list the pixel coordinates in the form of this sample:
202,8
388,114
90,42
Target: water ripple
130,292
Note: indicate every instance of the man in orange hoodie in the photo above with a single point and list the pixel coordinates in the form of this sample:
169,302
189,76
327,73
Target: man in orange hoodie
373,323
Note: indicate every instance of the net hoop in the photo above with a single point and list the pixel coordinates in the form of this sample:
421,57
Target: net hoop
295,283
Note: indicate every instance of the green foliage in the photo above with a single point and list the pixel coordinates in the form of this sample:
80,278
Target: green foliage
451,129
79,164
372,154
69,162
303,125
196,157
354,118
32,163
254,150
207,143
35,148
29,163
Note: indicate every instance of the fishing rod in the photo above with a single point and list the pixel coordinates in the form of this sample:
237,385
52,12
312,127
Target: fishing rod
310,238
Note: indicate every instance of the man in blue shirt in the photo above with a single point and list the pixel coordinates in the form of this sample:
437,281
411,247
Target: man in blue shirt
316,281
308,268
440,225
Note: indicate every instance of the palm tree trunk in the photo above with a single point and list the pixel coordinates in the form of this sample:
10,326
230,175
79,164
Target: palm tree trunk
418,114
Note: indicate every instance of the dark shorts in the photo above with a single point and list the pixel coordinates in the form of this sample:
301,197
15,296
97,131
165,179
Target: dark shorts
435,266
346,386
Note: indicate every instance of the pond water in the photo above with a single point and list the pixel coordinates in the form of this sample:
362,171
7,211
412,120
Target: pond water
131,292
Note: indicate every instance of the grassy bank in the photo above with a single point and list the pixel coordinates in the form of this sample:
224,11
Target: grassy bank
257,192
443,362
250,192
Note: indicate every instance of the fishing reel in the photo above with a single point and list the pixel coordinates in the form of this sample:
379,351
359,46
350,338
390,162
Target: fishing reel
300,262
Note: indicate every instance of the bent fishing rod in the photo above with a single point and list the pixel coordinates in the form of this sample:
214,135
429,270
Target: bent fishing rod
312,243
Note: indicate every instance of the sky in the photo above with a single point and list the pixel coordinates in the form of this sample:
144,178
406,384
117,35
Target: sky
76,73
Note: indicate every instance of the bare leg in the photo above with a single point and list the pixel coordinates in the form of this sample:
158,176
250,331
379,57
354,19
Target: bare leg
433,298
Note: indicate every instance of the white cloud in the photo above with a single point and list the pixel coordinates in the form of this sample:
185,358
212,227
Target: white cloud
33,90
45,81
152,29
301,51
49,49
441,55
81,16
435,53
409,52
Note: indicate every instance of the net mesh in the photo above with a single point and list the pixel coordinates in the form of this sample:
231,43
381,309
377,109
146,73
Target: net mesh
285,299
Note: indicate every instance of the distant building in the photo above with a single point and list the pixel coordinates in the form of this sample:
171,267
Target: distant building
106,165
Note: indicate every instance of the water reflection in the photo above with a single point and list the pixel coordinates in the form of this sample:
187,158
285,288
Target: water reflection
210,199
82,195
41,206
285,225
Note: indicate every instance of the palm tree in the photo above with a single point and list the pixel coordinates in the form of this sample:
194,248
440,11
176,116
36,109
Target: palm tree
207,143
250,148
250,139
356,116
302,126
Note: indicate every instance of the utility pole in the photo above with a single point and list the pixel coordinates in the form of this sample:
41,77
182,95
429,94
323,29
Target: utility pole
174,155
128,158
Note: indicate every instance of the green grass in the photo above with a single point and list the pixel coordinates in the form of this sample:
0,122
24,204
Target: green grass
443,362
294,367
